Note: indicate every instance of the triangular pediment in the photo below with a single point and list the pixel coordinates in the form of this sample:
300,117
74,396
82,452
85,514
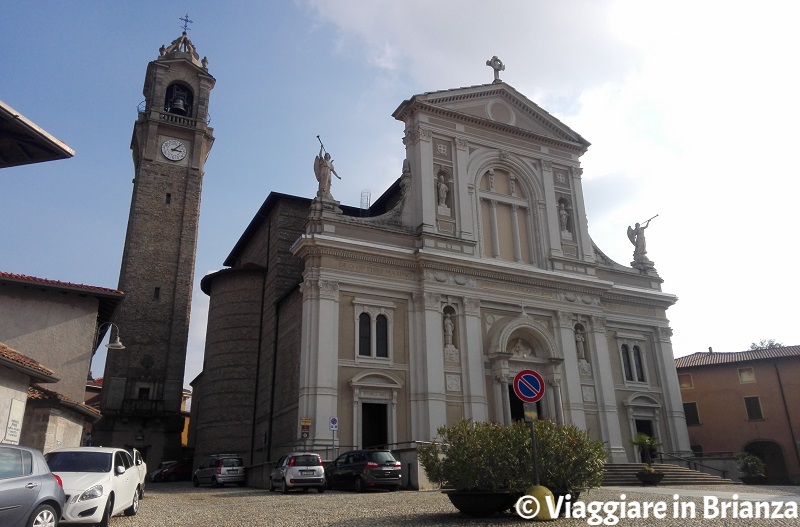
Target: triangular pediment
500,104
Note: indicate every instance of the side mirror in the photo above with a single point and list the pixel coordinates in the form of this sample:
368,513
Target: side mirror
120,469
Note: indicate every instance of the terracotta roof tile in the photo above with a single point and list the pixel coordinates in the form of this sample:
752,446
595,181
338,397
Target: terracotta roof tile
18,358
43,394
714,358
44,281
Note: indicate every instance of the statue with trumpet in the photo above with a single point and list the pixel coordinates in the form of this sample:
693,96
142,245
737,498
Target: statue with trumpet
636,236
323,168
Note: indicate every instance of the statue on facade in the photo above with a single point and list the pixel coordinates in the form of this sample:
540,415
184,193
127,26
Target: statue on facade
636,236
563,219
323,168
579,344
448,330
443,190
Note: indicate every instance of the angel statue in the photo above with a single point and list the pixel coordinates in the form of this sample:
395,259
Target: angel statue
636,236
323,167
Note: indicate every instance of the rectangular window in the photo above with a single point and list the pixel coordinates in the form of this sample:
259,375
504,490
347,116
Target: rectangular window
686,381
156,293
364,335
692,417
697,450
637,360
168,199
746,375
753,406
144,394
381,337
626,364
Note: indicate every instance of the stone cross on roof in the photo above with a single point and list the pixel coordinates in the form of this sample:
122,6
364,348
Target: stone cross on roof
498,66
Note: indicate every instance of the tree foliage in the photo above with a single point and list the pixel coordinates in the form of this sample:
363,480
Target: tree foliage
765,344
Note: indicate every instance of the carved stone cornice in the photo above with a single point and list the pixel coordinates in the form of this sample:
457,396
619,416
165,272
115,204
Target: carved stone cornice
565,320
598,324
472,306
433,301
664,333
547,165
462,143
328,289
415,135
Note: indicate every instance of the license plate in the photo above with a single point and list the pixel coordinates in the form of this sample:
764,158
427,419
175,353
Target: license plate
306,472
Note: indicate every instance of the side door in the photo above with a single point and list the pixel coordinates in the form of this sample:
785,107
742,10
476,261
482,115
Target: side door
122,481
277,473
19,488
334,473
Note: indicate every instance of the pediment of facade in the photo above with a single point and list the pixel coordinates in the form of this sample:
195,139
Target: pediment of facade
497,103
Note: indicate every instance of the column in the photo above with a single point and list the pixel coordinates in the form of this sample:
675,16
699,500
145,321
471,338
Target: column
428,400
606,393
495,233
674,418
515,233
319,353
573,406
476,402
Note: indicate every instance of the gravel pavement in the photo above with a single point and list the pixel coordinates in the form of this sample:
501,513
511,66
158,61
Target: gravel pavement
180,504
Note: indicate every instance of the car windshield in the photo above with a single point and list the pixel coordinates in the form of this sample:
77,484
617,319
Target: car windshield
79,461
307,461
382,457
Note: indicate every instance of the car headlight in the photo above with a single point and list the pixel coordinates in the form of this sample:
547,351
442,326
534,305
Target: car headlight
92,493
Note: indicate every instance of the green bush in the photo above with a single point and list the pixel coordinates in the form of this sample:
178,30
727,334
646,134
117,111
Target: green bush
750,466
490,457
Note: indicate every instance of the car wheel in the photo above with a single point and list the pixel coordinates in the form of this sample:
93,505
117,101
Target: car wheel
358,484
285,488
43,516
134,508
215,483
107,513
320,490
195,481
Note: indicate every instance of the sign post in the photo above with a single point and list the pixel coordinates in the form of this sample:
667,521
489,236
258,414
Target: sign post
529,388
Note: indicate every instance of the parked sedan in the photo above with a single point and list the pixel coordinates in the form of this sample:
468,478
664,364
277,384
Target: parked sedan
364,469
298,470
30,495
161,466
99,483
181,471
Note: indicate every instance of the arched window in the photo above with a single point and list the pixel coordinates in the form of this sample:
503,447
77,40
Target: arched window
506,217
179,100
364,335
373,329
626,362
638,365
381,337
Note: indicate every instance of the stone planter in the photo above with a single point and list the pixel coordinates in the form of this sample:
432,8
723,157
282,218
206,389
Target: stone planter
650,478
481,504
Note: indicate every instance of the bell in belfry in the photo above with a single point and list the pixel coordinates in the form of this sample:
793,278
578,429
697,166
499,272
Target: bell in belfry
178,105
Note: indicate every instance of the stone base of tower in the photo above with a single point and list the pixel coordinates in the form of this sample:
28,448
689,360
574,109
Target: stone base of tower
158,439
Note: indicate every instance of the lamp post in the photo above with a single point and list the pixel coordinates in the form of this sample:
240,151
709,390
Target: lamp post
114,342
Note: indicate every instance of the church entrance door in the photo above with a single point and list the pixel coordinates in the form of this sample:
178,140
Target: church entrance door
374,425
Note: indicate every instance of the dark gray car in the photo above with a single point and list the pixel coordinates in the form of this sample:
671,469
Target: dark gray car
364,469
30,495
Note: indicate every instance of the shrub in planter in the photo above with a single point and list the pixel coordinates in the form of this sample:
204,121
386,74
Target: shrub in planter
751,467
487,457
569,460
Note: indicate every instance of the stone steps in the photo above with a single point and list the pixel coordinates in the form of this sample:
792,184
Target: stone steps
624,475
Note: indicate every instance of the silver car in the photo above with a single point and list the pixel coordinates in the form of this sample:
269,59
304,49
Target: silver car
30,495
298,470
220,469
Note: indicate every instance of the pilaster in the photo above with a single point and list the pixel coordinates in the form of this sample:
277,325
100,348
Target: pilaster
606,393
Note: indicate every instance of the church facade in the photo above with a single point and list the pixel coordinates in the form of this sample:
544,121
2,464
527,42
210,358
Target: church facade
334,327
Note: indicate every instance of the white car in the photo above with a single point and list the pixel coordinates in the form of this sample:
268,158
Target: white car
99,483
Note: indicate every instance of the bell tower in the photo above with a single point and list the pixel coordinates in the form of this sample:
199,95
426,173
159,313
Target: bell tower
143,384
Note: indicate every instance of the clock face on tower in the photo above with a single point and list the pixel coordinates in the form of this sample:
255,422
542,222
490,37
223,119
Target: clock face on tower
173,149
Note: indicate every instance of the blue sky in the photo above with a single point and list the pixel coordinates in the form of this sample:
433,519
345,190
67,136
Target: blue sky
691,109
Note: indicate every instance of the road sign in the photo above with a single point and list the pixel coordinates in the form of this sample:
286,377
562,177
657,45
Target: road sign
305,421
529,386
334,423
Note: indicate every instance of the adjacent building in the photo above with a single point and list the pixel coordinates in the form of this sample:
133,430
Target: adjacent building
336,327
746,401
56,326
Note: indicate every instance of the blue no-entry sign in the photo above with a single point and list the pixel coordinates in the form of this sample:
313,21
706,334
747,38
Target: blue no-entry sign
529,386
